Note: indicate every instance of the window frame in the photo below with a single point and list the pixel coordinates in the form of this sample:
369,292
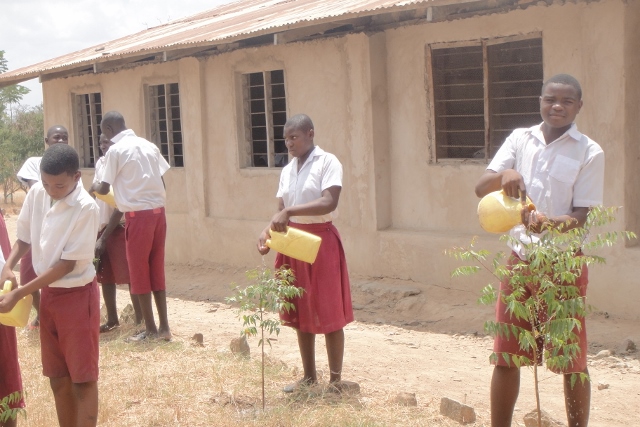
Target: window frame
88,143
485,43
247,160
152,113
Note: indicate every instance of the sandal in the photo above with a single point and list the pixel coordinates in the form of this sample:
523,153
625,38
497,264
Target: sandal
108,328
298,385
140,337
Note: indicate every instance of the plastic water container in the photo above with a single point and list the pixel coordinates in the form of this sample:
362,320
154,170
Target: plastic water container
295,243
19,315
108,198
499,213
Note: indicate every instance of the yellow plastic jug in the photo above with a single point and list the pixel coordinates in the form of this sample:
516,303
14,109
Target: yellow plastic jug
295,243
108,198
19,315
499,213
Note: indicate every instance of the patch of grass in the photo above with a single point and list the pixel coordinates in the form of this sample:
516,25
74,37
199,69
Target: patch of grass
181,384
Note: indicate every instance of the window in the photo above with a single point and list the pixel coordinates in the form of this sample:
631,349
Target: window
482,92
88,115
265,109
165,126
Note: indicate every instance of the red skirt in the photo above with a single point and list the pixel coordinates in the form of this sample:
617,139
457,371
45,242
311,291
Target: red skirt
10,378
325,306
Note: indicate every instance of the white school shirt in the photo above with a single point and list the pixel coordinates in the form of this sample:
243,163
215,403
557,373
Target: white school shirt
320,171
567,173
105,209
134,166
67,230
30,170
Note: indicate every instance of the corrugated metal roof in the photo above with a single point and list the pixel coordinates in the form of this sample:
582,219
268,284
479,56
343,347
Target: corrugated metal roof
226,23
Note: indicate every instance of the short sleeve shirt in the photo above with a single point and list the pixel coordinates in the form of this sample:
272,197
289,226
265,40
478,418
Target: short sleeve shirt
134,166
65,230
30,170
564,174
320,171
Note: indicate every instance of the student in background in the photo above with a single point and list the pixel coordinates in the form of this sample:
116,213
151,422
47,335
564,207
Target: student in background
29,174
111,252
135,166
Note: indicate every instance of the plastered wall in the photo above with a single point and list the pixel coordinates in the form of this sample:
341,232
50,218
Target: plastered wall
368,96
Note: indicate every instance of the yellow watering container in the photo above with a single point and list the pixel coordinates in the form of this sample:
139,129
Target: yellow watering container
499,213
108,198
19,315
295,243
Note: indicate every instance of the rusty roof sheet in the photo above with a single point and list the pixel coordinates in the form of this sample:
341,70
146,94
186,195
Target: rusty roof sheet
226,23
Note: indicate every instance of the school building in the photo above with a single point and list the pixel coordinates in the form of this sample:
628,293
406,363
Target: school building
414,97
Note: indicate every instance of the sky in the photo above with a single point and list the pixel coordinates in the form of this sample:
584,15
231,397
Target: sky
32,31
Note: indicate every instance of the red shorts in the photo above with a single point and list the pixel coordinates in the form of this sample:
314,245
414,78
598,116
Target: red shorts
10,378
503,345
70,332
325,305
146,232
27,273
113,267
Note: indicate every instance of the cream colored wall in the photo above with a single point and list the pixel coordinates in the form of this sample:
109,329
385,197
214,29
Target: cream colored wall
368,99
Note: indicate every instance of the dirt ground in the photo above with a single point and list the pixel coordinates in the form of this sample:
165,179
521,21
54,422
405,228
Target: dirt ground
416,337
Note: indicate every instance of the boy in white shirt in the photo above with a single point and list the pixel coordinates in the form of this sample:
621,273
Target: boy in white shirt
59,221
29,174
135,166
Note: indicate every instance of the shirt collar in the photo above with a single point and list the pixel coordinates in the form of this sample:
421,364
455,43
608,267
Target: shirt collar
118,137
572,132
316,152
72,198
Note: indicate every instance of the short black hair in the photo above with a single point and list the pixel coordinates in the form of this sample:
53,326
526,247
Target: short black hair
59,159
113,118
564,79
301,122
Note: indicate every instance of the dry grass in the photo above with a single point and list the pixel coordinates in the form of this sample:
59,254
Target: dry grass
181,384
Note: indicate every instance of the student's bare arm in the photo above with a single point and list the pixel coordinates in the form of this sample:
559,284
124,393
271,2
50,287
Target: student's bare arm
508,180
114,221
327,203
100,188
262,240
18,250
56,272
538,221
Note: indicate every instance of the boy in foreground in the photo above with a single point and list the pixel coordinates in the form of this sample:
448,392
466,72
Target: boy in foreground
562,171
58,222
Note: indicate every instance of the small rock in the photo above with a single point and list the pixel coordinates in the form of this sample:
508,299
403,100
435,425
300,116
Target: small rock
603,386
630,346
531,420
212,310
358,306
198,338
405,399
240,346
457,411
603,353
127,315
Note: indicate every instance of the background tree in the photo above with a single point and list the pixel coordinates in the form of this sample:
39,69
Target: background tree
21,133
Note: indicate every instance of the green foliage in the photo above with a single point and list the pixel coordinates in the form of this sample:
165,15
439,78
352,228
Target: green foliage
21,133
552,310
6,412
270,292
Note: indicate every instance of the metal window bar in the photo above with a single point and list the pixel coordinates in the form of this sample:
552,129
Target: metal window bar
482,92
267,111
89,116
165,121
